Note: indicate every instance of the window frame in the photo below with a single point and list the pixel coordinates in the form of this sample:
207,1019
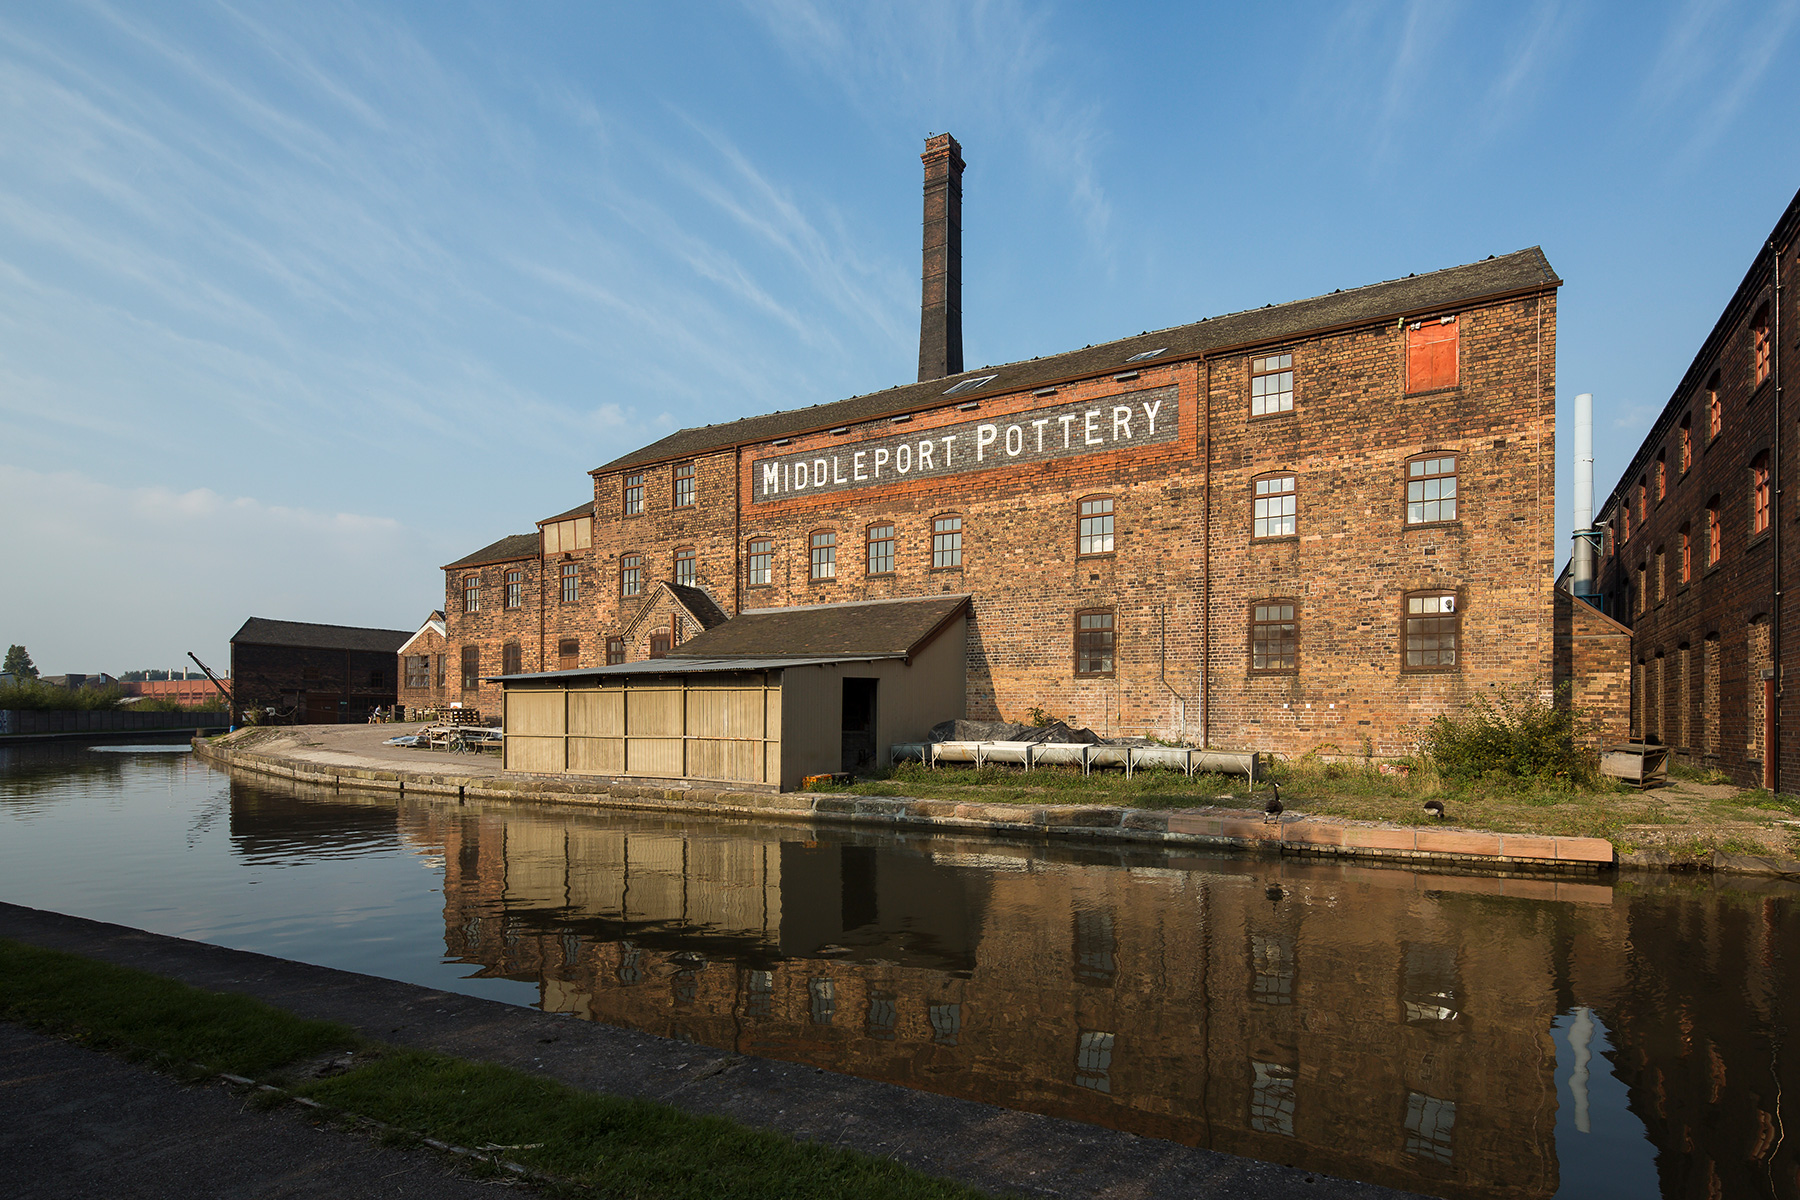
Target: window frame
1272,364
814,562
1408,478
563,652
515,589
1687,553
686,556
417,668
631,575
615,651
684,473
632,500
751,554
1715,410
1085,537
1760,499
1416,386
1715,533
471,667
1081,642
472,593
1259,498
570,579
1259,622
1759,347
954,552
512,658
1407,616
1660,473
1686,437
870,541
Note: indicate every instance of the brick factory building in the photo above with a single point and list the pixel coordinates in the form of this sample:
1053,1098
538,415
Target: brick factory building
313,674
1310,526
1695,541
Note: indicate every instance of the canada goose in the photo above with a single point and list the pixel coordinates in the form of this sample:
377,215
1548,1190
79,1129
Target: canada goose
1435,808
1273,807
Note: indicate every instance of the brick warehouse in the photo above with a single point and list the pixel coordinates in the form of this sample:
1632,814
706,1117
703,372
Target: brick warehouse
1310,526
1695,540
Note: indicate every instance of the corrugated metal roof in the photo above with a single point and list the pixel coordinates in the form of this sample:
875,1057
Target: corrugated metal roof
860,629
695,666
261,631
510,548
1509,274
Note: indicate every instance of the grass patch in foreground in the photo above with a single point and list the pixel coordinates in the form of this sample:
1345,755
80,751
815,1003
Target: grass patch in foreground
146,1016
617,1147
620,1147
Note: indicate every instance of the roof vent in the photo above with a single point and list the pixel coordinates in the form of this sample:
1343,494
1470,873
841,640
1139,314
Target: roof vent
1148,354
970,385
1122,376
1045,391
841,429
971,406
901,419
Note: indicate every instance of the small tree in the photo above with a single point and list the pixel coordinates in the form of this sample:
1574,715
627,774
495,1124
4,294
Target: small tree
19,664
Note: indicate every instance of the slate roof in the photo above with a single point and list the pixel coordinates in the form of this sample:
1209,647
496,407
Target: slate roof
261,631
1521,272
686,666
584,509
701,605
861,629
510,548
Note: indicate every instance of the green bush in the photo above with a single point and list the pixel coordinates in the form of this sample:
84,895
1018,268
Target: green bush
41,697
1516,734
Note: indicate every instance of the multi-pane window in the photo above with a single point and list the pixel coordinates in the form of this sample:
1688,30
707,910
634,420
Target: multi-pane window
568,653
824,554
1094,643
1431,355
1274,637
634,495
1687,444
1272,1098
1662,477
881,549
1712,531
1759,493
946,542
1687,555
1643,498
471,593
1431,490
1759,346
1272,966
1275,507
1094,525
762,561
512,660
1271,384
684,484
418,670
615,651
471,668
1715,412
515,589
686,569
440,670
631,575
1093,1059
1429,1125
1432,632
571,583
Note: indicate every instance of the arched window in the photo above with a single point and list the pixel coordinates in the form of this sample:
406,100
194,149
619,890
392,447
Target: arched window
760,562
1759,493
1759,346
1687,444
1274,506
1713,533
687,569
947,542
1094,526
880,540
824,553
631,575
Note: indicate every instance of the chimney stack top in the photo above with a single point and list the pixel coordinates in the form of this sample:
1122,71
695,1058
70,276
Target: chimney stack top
940,303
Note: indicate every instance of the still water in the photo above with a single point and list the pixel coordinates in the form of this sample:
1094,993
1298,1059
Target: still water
1448,1034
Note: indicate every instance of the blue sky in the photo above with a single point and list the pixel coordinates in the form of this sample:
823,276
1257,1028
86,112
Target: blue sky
299,302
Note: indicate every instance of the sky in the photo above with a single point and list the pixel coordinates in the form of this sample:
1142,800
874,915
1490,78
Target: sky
300,302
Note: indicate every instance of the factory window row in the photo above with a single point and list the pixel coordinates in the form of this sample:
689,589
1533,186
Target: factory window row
683,489
1431,497
1433,363
1431,635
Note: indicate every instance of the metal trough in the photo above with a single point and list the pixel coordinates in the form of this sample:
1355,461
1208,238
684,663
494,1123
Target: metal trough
907,752
1172,758
1110,756
1638,763
1004,752
955,752
1061,754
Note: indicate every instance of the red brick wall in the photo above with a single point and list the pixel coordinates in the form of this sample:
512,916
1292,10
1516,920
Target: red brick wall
1593,658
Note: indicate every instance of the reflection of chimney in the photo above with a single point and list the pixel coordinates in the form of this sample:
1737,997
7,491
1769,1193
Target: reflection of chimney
940,308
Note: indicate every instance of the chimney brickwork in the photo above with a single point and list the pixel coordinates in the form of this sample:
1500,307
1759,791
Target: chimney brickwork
940,306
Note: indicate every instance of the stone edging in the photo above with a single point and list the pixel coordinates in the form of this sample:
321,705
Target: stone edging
1215,828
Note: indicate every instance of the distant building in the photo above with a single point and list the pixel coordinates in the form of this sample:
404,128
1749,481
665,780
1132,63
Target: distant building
421,665
1697,551
314,674
99,679
182,691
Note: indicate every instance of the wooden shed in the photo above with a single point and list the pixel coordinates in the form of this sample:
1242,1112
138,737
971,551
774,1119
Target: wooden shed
762,701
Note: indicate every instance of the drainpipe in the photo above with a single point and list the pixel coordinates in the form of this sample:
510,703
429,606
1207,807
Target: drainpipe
1772,685
1206,560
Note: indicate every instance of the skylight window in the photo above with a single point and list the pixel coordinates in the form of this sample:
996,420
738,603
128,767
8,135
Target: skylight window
969,385
1148,354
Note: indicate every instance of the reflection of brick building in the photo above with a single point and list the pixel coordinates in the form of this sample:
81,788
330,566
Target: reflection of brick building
1311,525
1174,1004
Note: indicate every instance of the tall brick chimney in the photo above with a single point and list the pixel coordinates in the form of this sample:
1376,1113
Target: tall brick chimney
940,306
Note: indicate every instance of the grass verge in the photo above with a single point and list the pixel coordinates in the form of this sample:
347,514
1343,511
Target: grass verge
605,1145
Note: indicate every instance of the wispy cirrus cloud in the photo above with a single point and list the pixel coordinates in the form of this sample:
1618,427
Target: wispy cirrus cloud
1712,58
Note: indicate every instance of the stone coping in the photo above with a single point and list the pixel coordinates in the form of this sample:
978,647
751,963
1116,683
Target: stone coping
1292,834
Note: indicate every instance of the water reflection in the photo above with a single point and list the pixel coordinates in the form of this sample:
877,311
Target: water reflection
1458,1036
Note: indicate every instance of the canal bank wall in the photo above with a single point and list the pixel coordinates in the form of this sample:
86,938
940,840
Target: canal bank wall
356,757
996,1149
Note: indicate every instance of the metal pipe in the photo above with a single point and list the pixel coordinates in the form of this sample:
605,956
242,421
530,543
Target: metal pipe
1772,689
1582,567
1206,557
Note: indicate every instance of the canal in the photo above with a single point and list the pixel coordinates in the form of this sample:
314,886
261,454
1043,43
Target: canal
1456,1035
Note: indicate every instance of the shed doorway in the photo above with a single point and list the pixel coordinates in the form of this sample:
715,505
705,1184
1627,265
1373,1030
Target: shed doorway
859,725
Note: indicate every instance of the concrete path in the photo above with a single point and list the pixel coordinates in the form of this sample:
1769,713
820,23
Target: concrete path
75,1124
990,1148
